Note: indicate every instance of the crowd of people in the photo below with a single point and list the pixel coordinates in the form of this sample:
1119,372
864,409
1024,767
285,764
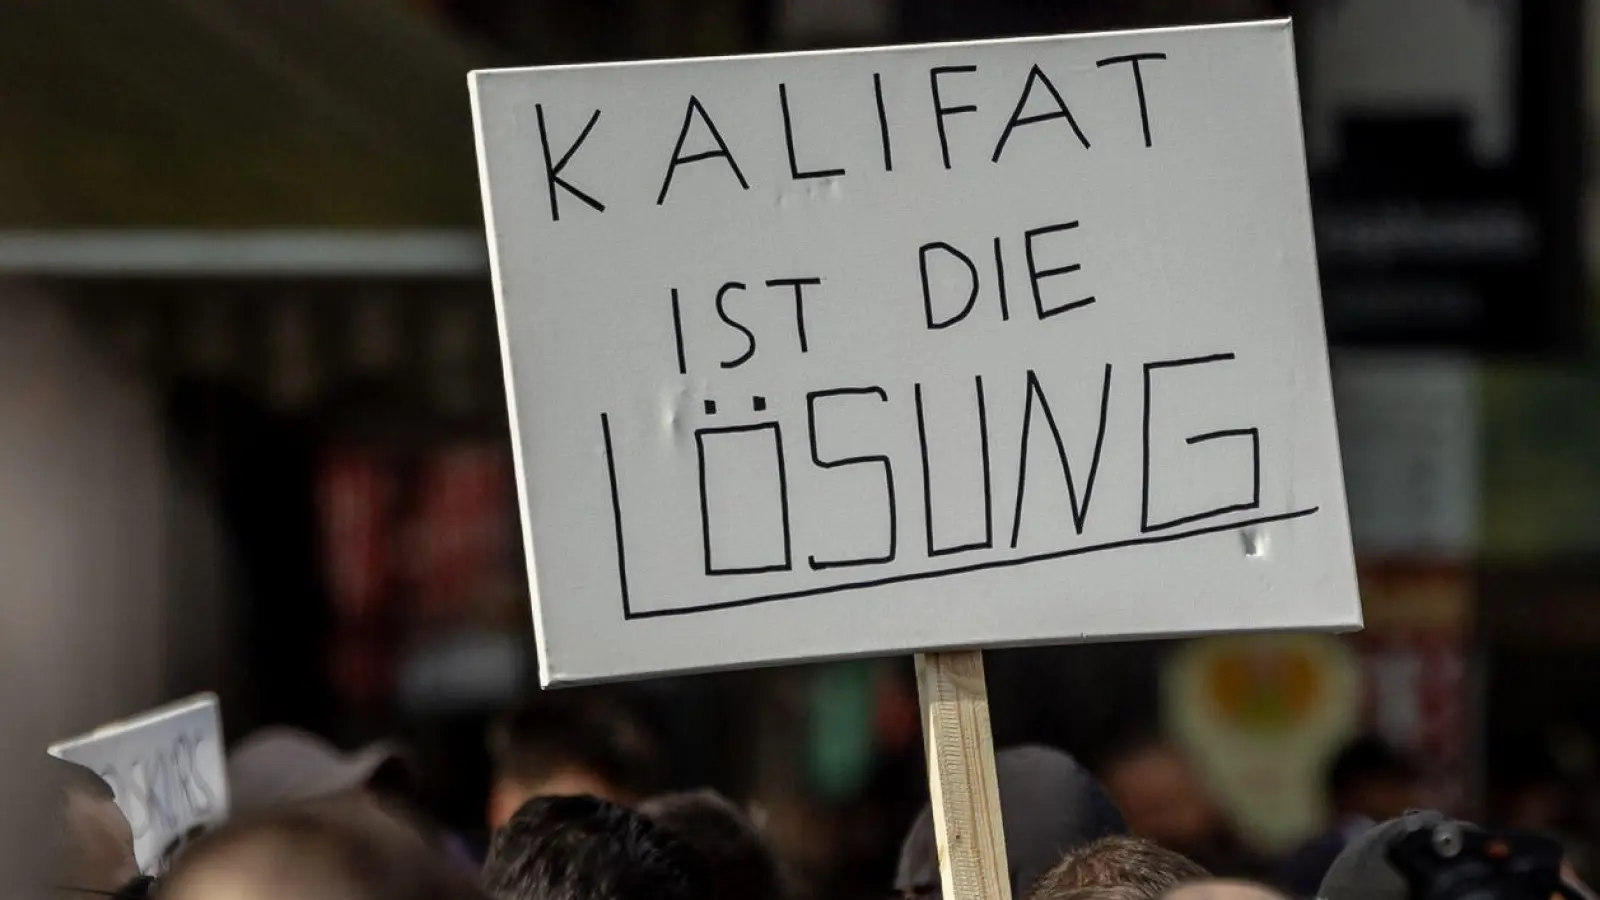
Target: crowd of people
572,816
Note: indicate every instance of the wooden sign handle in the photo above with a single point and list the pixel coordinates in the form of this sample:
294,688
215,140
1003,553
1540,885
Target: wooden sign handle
961,776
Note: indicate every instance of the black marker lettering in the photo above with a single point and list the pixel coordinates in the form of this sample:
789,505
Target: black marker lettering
188,781
1138,83
888,474
1036,275
552,170
1017,118
677,333
722,313
616,516
147,778
1000,279
799,285
940,110
208,796
883,122
1145,525
988,565
788,141
927,478
1079,511
927,289
701,436
678,159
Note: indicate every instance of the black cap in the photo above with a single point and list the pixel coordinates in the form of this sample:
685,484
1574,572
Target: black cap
1363,870
1049,804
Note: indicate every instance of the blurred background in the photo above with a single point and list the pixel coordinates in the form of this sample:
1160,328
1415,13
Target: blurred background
256,442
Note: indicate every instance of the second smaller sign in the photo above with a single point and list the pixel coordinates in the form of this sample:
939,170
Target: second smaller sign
167,768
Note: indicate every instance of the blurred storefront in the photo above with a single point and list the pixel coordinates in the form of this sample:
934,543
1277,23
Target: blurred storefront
267,217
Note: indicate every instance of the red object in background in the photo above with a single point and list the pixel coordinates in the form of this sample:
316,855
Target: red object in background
897,715
361,667
405,545
356,493
1416,693
1414,659
461,532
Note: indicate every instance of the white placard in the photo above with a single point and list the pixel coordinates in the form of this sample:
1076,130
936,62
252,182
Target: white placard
168,770
861,352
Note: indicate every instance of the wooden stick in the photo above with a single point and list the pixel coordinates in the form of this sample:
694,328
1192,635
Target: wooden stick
961,776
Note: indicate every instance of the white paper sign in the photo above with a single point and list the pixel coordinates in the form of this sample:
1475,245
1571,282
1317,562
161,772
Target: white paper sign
168,770
968,345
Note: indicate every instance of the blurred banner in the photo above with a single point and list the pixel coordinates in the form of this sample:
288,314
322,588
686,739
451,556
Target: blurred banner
1416,659
1410,429
1444,138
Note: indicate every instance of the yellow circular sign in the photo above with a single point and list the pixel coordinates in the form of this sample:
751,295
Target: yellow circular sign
1264,688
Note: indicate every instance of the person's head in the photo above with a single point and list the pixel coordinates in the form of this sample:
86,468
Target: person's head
1118,861
1049,805
94,847
1371,778
1161,794
340,849
281,766
586,848
567,744
1101,892
741,865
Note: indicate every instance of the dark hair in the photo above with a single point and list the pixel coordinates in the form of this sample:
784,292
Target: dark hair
594,731
585,848
1519,763
140,887
741,865
72,778
79,849
1095,892
1118,861
346,849
1369,758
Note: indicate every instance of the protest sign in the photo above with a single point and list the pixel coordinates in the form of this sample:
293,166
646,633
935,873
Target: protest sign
167,768
861,352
